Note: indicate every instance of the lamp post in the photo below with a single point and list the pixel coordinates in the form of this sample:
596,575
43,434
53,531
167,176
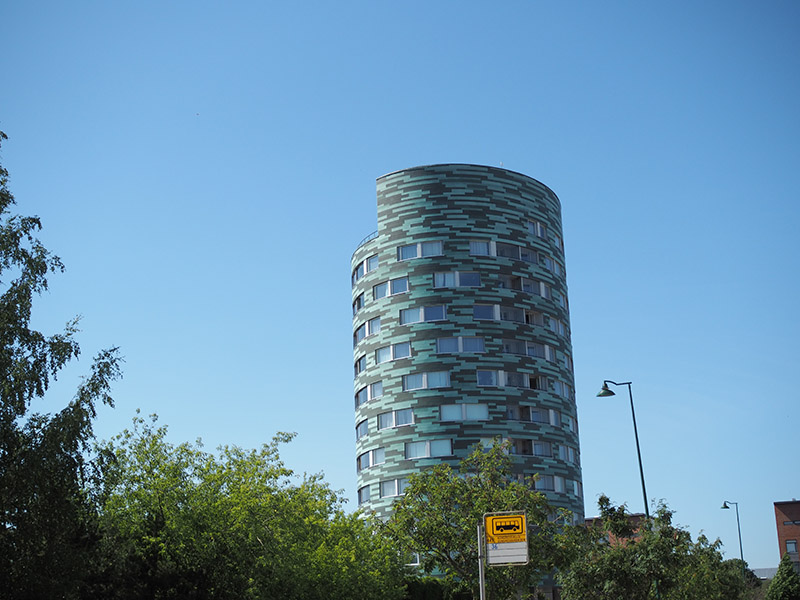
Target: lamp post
605,391
739,528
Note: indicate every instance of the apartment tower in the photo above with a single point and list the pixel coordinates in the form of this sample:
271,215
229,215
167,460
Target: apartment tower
461,331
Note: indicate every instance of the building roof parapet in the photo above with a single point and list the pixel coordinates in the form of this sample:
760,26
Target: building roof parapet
369,238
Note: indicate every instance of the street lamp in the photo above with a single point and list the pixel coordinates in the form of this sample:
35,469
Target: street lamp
607,392
739,528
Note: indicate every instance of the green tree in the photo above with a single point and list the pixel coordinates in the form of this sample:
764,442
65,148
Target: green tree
622,556
441,509
46,519
786,583
180,522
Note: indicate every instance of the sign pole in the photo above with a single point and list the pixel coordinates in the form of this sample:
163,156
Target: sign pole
481,575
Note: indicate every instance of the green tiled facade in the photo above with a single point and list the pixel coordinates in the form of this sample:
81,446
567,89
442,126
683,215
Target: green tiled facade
474,331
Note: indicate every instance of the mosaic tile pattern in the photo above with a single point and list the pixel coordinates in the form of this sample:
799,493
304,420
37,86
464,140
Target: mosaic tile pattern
458,204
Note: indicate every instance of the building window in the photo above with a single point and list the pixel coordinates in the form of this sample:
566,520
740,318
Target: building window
362,429
544,351
456,279
395,418
372,263
365,266
538,229
370,392
534,317
380,290
387,353
374,326
791,546
363,494
370,459
479,248
509,313
419,250
359,334
483,311
358,273
566,453
453,345
488,378
393,487
360,364
358,303
464,412
545,483
429,380
390,288
506,250
429,448
434,312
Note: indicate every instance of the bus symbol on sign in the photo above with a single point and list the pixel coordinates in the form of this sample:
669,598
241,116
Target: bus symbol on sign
505,528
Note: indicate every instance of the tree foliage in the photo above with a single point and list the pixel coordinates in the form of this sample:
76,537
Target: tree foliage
46,520
625,557
181,522
441,509
786,583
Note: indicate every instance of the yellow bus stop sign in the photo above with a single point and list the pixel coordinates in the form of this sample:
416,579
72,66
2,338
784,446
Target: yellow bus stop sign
505,528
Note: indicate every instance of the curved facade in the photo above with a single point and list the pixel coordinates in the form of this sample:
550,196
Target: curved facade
461,331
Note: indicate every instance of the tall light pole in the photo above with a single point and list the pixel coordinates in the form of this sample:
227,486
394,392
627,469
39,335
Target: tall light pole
607,392
739,528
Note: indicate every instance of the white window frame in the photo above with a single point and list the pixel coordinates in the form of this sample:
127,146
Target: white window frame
463,406
398,487
372,457
423,318
393,352
457,276
460,345
358,303
359,434
425,381
373,326
428,444
421,251
363,494
495,312
394,418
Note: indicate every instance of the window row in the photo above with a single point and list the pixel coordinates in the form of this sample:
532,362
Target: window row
524,447
485,377
548,416
501,249
498,312
534,349
544,483
364,267
466,412
481,312
532,286
464,279
499,378
468,344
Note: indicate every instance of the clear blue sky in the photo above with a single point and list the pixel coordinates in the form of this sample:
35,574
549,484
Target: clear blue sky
205,170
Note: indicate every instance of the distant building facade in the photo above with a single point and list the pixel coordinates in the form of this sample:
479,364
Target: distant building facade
461,331
787,520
